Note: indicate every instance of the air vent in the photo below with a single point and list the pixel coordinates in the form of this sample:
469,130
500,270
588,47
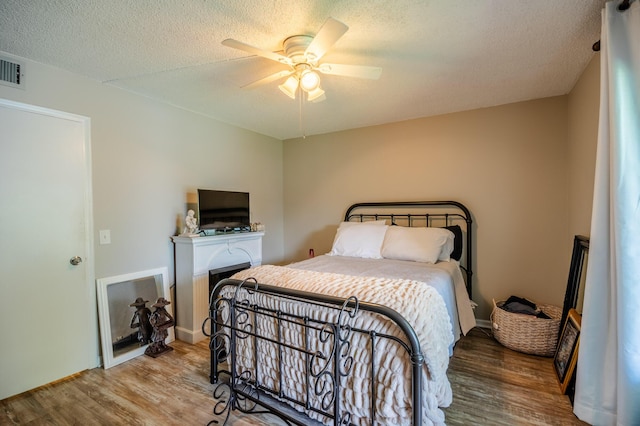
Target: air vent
11,73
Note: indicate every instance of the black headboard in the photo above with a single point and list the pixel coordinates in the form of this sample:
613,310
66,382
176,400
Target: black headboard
423,213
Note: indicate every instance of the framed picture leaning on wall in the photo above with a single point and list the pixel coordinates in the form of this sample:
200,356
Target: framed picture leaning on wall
566,356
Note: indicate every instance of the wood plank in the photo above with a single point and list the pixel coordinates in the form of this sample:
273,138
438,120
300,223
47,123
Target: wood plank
492,385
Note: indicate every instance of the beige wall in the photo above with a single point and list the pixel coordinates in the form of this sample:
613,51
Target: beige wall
508,164
146,158
525,170
584,102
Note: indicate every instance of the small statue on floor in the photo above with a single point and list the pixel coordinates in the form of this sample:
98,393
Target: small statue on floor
161,320
140,320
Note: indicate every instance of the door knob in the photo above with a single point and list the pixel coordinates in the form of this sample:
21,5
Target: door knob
75,260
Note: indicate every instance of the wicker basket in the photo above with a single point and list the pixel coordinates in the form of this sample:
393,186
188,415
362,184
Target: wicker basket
527,333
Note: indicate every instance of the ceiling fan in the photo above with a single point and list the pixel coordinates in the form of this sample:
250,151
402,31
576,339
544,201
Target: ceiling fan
302,55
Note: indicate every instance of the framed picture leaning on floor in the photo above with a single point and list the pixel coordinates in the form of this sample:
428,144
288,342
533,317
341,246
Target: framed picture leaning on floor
566,356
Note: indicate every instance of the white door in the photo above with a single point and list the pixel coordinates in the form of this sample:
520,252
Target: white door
45,220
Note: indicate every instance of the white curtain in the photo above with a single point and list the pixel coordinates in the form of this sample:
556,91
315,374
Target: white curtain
608,370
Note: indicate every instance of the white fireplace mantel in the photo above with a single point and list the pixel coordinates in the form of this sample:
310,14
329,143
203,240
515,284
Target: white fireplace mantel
195,257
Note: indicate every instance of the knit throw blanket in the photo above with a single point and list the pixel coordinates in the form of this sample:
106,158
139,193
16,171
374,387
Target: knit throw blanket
421,305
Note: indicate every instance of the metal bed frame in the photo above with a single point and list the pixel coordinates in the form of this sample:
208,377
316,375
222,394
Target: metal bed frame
403,213
234,320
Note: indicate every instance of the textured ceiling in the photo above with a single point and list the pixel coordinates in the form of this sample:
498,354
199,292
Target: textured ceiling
436,56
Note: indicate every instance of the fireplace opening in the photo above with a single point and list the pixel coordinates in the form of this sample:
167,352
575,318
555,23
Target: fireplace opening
218,274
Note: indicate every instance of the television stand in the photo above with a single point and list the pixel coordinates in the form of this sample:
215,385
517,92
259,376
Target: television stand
194,258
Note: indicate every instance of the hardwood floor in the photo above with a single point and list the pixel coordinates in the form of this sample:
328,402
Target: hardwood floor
491,385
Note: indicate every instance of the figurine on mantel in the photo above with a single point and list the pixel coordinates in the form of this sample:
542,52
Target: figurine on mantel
140,320
257,227
191,228
161,320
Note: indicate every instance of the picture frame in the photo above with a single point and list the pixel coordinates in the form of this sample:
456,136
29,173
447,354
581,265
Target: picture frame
566,355
115,296
574,294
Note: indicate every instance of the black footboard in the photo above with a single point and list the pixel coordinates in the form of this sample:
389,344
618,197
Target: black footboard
260,343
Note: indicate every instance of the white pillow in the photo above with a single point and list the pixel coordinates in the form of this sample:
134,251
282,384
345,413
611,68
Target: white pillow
357,239
447,248
415,244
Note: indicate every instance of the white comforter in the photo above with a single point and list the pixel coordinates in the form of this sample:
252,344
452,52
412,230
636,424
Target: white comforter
445,277
421,305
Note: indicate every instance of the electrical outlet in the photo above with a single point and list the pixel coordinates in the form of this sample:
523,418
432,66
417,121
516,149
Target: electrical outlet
105,236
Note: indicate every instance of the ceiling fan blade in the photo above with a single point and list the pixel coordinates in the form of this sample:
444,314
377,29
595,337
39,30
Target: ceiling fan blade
328,34
256,51
319,99
268,79
358,71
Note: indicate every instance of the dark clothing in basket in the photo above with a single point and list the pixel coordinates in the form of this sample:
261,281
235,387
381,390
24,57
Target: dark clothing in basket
519,305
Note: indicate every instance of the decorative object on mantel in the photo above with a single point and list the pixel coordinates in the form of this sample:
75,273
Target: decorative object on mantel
191,228
161,320
140,320
257,227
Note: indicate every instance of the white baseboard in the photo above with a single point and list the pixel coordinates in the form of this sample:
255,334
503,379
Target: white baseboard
189,336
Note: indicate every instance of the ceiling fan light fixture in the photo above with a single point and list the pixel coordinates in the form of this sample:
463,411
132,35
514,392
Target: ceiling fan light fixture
316,94
309,80
289,87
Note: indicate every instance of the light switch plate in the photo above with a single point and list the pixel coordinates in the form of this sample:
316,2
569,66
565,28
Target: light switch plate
105,236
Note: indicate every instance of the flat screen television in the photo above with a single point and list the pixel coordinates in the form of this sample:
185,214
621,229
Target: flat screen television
223,211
